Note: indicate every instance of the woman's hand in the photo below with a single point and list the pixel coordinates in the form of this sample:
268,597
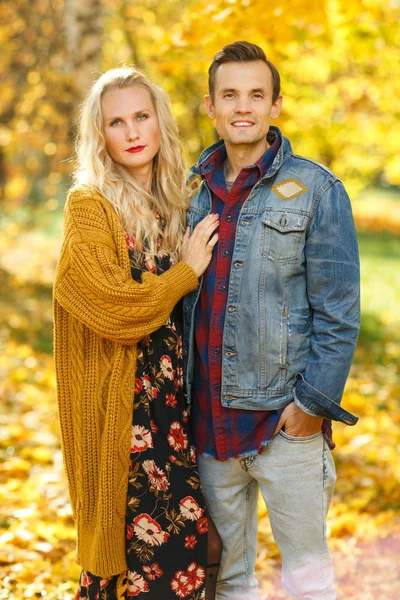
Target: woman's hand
197,248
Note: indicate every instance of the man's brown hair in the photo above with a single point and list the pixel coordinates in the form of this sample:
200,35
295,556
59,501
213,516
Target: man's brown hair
242,52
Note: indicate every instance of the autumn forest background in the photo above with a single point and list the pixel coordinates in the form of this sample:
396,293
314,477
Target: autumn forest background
340,66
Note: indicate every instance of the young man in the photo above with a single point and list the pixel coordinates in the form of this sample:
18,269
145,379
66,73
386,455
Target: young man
271,332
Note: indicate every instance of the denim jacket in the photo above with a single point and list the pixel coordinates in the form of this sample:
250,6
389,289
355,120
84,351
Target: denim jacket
292,316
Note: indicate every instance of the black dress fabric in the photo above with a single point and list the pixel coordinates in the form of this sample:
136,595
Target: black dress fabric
166,522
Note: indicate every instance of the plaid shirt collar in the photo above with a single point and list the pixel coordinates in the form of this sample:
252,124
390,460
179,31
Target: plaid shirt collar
212,169
284,152
216,159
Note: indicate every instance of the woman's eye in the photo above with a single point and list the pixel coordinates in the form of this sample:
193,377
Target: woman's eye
115,122
143,117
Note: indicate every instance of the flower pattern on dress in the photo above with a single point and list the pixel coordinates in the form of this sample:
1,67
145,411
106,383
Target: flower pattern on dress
166,367
190,509
170,400
148,530
153,571
185,582
141,439
202,525
190,541
177,437
136,584
157,477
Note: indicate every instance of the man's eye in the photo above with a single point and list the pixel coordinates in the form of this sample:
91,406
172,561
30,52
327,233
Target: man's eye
258,96
228,95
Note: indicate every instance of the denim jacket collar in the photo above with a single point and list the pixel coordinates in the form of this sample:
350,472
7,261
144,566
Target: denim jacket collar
284,152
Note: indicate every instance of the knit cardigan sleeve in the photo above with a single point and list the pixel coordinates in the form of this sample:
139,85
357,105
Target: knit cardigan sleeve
93,280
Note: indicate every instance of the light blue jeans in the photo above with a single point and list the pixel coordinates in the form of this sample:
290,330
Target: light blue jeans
296,477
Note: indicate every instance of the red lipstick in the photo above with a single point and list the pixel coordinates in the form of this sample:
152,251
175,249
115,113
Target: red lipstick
134,149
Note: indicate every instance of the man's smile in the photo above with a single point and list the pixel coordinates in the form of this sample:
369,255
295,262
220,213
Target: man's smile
242,124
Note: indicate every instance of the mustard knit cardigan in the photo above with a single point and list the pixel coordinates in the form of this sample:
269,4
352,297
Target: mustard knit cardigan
100,313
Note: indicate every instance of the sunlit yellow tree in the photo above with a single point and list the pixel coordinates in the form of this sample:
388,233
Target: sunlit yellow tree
339,61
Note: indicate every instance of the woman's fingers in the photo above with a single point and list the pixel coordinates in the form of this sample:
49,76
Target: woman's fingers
213,240
209,223
197,248
205,233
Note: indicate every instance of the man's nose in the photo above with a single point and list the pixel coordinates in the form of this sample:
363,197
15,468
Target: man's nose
243,104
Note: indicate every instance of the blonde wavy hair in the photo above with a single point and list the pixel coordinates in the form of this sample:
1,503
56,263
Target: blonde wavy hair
136,207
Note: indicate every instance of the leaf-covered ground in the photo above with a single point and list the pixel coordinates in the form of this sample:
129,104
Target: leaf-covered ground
36,528
364,570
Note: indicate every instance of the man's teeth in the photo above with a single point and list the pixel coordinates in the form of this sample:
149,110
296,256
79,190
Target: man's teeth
242,124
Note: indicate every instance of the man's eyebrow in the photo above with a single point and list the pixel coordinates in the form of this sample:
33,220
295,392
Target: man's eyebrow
224,90
253,91
259,90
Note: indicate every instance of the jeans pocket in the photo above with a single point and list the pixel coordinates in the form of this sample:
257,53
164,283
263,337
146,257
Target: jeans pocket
305,439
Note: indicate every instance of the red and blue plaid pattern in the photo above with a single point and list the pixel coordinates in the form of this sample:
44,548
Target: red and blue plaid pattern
220,432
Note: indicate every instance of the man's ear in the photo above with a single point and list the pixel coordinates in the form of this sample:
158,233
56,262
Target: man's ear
276,107
209,106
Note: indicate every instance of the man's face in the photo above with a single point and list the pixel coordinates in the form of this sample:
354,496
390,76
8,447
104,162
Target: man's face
242,105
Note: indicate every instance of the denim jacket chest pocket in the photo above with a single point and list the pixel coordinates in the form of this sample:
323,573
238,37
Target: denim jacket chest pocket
282,234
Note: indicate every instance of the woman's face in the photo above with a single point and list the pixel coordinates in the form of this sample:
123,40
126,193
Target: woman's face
131,130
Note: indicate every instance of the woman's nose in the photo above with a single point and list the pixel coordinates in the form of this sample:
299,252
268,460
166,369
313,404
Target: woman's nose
131,132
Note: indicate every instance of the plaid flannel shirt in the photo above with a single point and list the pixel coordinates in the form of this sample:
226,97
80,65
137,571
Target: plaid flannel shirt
221,432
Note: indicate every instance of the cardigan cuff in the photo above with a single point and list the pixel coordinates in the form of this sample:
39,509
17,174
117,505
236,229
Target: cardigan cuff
181,279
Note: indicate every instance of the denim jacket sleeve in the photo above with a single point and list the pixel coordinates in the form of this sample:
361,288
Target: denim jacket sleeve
333,277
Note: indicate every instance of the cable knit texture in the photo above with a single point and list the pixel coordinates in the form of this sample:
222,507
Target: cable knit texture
100,313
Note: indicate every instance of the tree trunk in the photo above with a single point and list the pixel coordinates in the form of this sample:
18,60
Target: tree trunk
83,22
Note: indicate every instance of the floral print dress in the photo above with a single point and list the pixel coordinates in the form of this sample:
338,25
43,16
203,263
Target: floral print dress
166,522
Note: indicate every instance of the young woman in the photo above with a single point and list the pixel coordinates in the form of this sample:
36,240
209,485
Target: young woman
125,263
